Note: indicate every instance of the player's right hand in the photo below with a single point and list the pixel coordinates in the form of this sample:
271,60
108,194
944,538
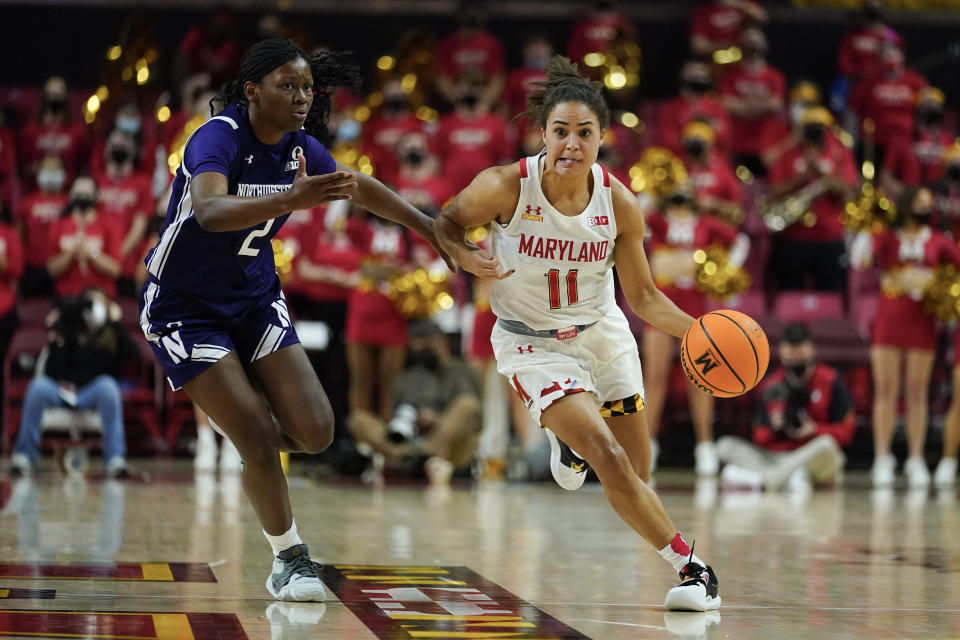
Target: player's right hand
483,265
307,192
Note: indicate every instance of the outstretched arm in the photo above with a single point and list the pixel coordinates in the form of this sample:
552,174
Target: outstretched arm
642,294
493,195
374,196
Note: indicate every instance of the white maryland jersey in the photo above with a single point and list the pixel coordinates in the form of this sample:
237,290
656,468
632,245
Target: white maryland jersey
563,263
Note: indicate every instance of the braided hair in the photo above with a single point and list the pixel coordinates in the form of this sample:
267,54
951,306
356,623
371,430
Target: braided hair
563,84
330,70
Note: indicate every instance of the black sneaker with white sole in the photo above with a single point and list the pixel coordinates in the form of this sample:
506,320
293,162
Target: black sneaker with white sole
567,467
295,577
697,591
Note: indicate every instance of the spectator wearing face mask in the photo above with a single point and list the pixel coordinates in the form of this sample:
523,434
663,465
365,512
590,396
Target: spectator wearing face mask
715,184
697,101
803,95
79,368
811,249
470,138
38,213
129,120
904,335
885,101
859,50
719,25
537,49
470,50
84,248
53,133
916,160
211,46
126,202
598,30
753,92
947,192
381,132
419,180
803,419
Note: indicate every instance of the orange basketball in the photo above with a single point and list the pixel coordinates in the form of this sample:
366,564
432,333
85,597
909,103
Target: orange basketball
725,353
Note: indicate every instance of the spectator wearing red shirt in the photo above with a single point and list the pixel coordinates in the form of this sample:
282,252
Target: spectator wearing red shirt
11,269
674,237
904,335
947,193
885,100
802,96
126,202
211,46
380,133
918,159
537,49
84,249
859,49
39,211
803,418
595,33
696,101
753,92
470,138
719,25
813,246
53,133
470,50
715,185
192,91
419,181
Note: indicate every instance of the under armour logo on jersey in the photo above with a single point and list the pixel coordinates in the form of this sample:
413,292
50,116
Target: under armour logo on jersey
249,159
533,213
529,349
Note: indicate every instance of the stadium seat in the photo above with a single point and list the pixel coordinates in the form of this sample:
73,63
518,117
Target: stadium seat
808,306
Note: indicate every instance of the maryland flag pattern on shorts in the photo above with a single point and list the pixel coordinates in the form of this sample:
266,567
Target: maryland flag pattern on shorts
614,408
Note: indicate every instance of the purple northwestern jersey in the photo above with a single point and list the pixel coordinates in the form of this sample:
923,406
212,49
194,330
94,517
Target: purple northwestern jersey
228,269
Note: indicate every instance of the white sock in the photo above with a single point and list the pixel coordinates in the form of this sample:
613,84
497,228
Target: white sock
284,541
677,553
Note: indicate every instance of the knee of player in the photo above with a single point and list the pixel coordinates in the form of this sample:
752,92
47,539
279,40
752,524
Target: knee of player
317,436
606,456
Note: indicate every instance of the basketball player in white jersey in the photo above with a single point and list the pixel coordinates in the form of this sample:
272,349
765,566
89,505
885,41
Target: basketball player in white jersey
559,224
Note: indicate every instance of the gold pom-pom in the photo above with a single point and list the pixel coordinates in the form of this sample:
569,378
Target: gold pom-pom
870,210
941,297
421,293
716,277
658,172
283,254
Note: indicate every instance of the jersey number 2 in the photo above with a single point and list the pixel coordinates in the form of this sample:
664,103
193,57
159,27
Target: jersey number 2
245,248
553,282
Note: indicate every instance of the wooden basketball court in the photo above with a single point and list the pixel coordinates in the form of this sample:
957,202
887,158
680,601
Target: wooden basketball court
179,558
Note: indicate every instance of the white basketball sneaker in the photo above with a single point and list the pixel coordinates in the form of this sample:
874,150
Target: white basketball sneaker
697,591
946,473
566,465
707,460
295,577
205,458
884,471
918,475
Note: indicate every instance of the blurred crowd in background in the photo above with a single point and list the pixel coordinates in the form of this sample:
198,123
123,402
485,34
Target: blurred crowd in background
836,206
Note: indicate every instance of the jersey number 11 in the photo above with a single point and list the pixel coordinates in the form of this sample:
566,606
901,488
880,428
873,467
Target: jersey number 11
553,282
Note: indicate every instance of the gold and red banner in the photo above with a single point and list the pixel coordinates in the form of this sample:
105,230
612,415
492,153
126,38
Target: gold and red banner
121,626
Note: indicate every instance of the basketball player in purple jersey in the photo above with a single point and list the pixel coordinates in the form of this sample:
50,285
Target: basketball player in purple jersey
212,308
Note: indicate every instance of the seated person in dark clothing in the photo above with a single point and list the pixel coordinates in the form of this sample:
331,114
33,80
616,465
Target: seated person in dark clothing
79,368
804,417
436,409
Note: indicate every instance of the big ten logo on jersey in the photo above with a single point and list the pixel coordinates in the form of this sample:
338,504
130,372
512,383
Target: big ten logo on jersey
532,213
598,221
294,164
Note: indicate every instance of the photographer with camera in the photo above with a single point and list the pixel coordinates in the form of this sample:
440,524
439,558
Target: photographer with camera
436,418
804,417
87,348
